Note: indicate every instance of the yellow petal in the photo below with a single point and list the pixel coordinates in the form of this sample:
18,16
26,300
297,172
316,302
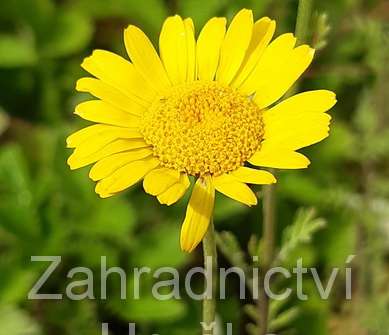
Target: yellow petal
270,65
298,121
288,73
208,48
110,95
174,50
81,135
105,167
97,132
191,74
279,158
262,34
311,101
76,161
235,45
125,176
159,180
145,58
198,214
253,176
120,74
297,132
233,188
105,136
101,112
174,192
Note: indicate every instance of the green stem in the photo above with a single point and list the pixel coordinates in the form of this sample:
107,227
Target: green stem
268,235
304,14
209,302
269,225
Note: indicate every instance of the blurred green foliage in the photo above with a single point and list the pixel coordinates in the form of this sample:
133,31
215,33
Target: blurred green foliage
47,210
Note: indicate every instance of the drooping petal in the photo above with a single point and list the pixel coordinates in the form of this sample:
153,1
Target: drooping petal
208,47
159,180
198,214
233,188
110,95
175,43
101,112
279,158
262,34
253,176
108,165
120,74
145,58
175,192
76,160
125,176
234,46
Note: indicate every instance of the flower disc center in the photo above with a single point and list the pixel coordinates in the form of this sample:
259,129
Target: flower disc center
203,128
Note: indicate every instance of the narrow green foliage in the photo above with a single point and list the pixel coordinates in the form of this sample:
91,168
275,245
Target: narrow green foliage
300,231
321,31
284,319
230,248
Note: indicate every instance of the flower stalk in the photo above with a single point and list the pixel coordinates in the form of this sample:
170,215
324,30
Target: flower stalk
209,301
304,14
268,233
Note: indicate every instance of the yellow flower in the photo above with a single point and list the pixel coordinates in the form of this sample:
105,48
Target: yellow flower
201,108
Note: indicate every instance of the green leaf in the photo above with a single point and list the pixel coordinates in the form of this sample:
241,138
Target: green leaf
149,309
252,329
284,319
149,15
16,283
152,23
17,50
226,208
302,187
301,231
252,312
103,223
16,322
201,13
17,208
71,33
230,248
32,13
162,249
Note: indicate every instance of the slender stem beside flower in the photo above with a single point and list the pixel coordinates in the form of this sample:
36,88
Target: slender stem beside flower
268,234
304,14
209,302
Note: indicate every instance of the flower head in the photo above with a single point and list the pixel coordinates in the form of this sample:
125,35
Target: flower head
203,108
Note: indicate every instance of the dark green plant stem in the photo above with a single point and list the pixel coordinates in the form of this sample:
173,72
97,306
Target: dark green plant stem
303,20
268,235
209,303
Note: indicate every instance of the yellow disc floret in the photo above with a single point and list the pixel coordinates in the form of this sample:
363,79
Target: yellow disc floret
203,128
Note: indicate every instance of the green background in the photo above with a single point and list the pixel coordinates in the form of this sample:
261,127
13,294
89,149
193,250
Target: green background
45,209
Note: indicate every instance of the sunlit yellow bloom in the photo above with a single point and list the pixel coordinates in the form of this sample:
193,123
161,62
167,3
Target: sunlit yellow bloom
201,108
